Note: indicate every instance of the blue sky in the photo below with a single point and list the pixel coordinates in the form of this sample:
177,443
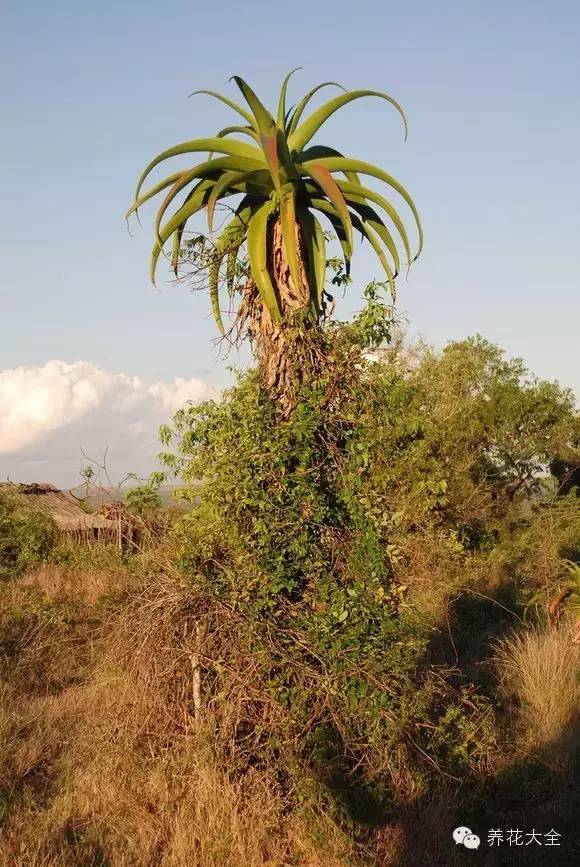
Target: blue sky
92,91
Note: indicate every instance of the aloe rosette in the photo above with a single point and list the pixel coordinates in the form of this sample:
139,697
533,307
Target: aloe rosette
270,164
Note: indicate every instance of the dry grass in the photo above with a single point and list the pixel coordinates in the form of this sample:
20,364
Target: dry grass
103,757
538,669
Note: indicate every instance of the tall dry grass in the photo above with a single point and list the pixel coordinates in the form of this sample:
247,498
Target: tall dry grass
538,670
105,756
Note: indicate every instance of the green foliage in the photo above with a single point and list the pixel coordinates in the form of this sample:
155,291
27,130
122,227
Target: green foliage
279,176
305,527
25,539
144,500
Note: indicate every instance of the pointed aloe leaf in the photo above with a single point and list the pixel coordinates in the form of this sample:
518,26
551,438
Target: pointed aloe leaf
370,217
219,145
228,180
332,216
299,110
329,186
262,115
194,203
349,189
152,191
230,102
243,130
282,101
266,126
364,230
229,240
302,135
334,164
288,224
257,252
375,244
316,249
317,151
210,169
231,268
177,236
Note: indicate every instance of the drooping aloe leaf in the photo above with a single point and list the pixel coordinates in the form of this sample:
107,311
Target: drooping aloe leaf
330,212
219,145
231,268
329,186
209,169
369,233
365,232
288,224
258,255
316,252
359,192
334,164
281,116
152,191
229,102
243,130
227,181
194,203
229,240
177,236
299,110
228,130
369,216
300,137
317,151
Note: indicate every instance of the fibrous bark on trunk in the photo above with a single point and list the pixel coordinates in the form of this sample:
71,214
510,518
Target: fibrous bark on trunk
285,351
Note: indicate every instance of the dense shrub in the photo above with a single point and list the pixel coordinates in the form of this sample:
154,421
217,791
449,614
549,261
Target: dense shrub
25,539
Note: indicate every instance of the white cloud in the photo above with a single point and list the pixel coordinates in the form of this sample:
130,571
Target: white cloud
49,413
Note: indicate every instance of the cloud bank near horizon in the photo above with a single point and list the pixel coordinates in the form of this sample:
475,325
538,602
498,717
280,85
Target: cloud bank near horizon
52,413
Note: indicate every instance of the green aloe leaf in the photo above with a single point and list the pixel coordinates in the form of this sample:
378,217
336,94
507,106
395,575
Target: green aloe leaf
231,268
317,151
210,169
227,182
266,126
243,130
299,110
375,244
229,102
300,137
331,214
229,240
288,224
356,191
316,249
369,216
282,100
329,186
219,145
258,255
152,191
334,164
177,236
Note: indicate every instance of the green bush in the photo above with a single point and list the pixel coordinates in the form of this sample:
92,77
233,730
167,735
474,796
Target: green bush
299,527
25,539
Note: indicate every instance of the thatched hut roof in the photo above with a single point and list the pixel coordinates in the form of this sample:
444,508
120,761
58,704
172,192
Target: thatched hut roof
62,508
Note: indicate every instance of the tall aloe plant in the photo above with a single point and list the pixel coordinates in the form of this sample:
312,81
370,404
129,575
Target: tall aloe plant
283,185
